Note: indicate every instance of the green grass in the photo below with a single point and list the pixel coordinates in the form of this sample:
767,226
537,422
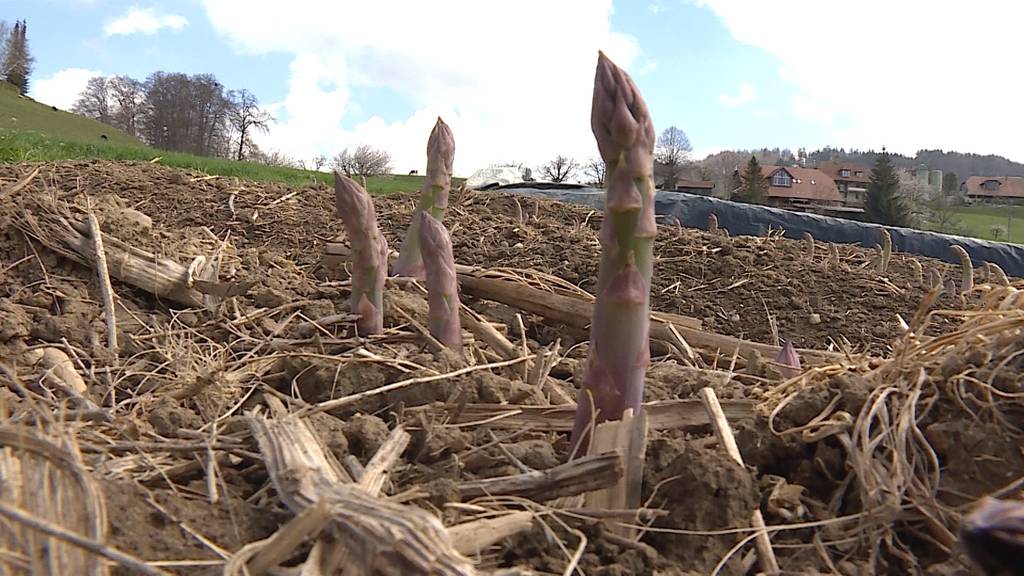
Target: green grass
41,134
980,219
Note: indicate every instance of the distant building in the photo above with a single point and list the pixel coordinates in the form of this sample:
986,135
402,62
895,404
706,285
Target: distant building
701,187
851,180
802,188
993,189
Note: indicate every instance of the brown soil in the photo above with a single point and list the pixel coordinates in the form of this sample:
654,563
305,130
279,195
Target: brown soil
179,371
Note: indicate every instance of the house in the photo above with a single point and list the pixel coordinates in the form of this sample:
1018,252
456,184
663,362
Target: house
701,187
801,188
851,180
994,189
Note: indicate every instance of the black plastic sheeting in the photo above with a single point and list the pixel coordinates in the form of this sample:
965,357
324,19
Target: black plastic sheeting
692,211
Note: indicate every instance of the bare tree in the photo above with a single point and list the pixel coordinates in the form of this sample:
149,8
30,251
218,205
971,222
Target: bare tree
187,113
94,100
720,169
560,169
596,170
246,117
363,161
272,158
129,99
319,161
672,154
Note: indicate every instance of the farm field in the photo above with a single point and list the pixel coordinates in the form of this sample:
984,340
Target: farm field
981,218
858,464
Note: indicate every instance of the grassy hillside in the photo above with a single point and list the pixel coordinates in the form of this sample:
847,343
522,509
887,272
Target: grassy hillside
21,113
34,132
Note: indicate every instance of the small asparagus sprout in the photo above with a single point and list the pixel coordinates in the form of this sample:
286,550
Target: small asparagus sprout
809,240
967,269
918,271
433,197
993,535
996,274
713,223
788,360
369,253
934,279
833,253
362,181
951,287
883,262
442,285
619,331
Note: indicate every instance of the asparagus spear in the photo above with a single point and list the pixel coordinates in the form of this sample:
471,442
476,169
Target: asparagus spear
442,285
433,197
993,535
619,341
369,253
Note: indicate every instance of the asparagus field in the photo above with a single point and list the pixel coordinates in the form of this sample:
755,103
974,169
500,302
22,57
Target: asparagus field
206,387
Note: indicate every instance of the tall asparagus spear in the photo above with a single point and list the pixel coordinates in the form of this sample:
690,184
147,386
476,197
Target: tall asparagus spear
619,341
442,285
433,197
369,253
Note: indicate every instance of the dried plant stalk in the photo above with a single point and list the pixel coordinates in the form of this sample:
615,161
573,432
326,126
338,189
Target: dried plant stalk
886,256
106,290
442,284
369,254
966,268
433,198
46,479
380,536
619,346
769,564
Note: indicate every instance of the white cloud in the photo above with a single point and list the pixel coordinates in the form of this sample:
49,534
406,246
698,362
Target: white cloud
512,86
877,74
62,88
746,94
143,21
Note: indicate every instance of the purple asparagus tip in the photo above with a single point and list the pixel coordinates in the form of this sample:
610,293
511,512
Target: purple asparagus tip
788,360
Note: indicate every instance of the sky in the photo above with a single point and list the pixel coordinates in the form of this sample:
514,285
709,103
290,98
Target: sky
514,79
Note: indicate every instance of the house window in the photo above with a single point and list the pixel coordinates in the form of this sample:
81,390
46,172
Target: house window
859,173
990,185
781,178
844,173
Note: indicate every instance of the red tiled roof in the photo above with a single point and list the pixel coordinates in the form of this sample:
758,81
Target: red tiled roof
808,184
1007,187
833,167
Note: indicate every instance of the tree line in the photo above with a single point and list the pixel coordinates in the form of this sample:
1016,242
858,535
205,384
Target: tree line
180,112
672,161
16,60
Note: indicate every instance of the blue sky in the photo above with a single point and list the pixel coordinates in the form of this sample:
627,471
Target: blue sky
513,78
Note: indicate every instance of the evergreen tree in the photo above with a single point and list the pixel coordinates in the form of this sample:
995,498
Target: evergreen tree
753,186
950,183
884,205
17,62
